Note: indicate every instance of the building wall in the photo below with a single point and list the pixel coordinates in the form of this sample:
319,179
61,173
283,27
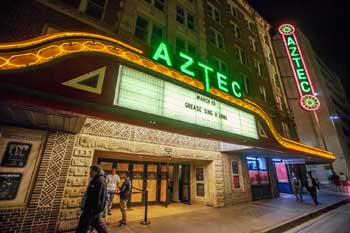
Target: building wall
112,136
236,195
41,211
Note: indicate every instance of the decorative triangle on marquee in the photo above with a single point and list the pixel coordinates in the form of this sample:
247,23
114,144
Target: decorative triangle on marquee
91,82
261,130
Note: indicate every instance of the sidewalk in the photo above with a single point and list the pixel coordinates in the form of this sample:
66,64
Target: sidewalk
259,216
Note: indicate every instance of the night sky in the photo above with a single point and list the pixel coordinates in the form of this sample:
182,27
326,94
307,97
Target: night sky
326,23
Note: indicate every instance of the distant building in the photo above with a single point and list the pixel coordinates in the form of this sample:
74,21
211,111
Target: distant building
328,127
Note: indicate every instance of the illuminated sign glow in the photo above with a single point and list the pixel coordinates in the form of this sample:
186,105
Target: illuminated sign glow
308,99
140,91
50,47
188,66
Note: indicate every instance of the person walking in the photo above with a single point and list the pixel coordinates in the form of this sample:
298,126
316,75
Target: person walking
342,180
113,181
125,193
94,202
312,187
297,188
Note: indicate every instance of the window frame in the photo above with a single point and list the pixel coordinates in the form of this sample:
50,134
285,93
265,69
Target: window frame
157,3
84,5
149,30
186,15
217,34
236,30
187,45
211,12
262,91
253,44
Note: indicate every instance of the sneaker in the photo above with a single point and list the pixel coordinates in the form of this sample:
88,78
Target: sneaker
121,223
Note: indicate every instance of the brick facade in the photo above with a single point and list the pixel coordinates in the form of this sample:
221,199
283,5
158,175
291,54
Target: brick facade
42,211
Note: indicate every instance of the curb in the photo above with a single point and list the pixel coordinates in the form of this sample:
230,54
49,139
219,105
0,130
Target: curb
282,227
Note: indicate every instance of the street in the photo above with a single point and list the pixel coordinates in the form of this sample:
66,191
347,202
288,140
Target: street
336,221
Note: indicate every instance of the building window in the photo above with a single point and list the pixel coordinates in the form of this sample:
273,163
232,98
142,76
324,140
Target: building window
73,3
147,31
141,29
285,130
251,26
183,46
257,169
185,18
157,34
95,8
214,13
216,38
159,4
262,91
234,11
241,56
279,102
236,184
180,15
258,67
190,21
253,43
220,65
235,30
246,84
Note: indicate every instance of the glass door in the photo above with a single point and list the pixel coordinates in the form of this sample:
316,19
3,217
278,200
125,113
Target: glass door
185,183
137,182
152,182
163,184
259,178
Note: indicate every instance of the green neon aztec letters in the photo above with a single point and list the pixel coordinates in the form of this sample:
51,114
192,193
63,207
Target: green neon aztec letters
308,99
187,65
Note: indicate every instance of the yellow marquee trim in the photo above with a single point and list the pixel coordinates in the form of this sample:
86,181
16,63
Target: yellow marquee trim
44,49
75,82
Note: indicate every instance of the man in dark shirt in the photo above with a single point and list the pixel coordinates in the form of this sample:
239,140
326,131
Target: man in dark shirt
94,202
125,193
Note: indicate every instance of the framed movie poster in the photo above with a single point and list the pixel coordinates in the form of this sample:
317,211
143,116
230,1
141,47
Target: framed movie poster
236,183
199,174
20,155
16,154
9,184
234,167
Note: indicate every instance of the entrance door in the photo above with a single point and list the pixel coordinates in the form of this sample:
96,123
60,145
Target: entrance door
282,178
259,178
137,182
185,195
163,197
152,182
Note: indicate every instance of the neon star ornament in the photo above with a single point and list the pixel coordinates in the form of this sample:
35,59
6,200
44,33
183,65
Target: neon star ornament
308,97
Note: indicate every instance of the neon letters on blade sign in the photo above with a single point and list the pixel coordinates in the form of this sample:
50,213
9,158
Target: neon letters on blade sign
308,99
187,65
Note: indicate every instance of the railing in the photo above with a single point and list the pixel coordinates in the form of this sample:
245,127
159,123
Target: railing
145,195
